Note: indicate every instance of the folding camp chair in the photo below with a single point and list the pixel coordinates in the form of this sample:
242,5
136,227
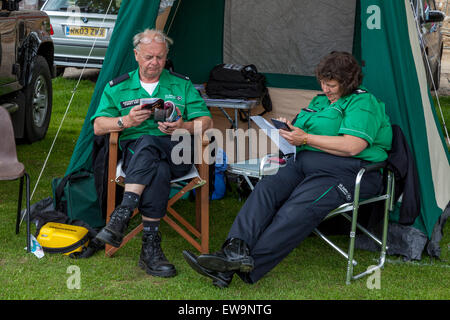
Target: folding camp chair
258,168
197,235
12,169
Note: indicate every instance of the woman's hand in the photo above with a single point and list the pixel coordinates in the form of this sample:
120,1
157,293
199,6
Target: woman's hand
296,136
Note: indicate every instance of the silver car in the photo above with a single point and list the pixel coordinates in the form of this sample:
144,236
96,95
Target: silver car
81,31
429,21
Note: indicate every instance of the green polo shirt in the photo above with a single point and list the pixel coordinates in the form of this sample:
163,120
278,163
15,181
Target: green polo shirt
118,99
359,114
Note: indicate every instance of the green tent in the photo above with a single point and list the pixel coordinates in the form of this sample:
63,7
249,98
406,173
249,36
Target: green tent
285,40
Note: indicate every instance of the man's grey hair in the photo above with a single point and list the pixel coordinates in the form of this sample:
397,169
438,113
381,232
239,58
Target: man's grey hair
148,35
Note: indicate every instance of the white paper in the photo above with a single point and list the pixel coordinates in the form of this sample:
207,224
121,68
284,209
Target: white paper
274,135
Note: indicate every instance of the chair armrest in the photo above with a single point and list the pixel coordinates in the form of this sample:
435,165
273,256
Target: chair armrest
375,166
113,152
367,168
202,166
113,138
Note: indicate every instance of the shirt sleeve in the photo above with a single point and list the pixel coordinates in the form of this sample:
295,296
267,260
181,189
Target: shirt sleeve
362,118
195,105
106,106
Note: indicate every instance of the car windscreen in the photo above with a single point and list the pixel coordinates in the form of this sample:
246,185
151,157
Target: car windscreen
86,6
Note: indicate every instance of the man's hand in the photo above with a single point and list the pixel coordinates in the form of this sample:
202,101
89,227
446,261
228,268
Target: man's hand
170,127
136,116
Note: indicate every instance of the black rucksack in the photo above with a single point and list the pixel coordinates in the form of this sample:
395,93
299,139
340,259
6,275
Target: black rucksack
238,82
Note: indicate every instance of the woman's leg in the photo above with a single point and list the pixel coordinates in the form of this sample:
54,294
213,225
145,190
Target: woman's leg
264,201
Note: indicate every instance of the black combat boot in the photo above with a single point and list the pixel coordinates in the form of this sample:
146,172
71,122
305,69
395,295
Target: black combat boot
114,230
152,258
234,256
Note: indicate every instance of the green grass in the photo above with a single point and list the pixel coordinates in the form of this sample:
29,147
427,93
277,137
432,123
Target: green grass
311,271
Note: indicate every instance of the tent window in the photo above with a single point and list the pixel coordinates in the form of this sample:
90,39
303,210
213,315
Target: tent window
289,37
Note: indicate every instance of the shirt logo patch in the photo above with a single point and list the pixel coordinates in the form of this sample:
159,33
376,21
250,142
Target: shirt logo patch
130,103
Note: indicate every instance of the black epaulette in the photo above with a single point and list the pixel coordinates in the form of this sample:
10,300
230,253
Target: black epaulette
119,79
321,94
182,76
359,91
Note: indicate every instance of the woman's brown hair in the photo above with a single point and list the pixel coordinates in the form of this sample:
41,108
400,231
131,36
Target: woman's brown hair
342,67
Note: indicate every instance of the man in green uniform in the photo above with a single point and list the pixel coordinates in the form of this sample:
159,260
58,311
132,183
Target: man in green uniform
146,144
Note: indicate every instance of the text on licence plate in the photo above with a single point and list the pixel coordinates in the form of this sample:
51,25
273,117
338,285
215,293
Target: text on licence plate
89,32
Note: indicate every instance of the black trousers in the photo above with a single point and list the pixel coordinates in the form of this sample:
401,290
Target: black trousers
148,161
284,209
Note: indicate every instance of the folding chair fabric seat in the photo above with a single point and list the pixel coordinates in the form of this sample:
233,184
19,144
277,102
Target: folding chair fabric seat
197,235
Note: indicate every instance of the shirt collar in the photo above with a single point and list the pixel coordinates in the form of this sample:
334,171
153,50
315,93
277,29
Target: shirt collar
164,79
135,81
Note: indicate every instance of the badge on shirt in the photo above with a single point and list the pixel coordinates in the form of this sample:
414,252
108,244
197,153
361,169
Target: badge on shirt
172,97
130,103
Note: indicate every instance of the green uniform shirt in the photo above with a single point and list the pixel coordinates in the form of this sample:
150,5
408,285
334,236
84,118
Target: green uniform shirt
117,100
359,114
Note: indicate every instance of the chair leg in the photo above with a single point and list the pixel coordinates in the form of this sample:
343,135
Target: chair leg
351,249
28,211
387,207
381,261
335,247
19,205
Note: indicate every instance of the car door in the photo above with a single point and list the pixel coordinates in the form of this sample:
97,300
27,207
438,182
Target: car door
8,79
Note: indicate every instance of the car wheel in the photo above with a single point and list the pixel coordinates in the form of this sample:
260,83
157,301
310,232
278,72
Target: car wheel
38,100
437,76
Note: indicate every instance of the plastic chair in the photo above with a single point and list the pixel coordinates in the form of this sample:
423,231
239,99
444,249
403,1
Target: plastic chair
198,235
12,169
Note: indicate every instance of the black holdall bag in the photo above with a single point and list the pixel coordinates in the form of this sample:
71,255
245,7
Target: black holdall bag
238,82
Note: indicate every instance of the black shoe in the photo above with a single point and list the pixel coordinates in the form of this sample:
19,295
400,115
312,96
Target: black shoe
152,258
113,232
220,279
234,256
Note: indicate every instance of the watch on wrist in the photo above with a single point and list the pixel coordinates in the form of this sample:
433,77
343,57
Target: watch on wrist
120,123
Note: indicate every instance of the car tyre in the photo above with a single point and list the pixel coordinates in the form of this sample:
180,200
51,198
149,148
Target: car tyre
437,76
38,100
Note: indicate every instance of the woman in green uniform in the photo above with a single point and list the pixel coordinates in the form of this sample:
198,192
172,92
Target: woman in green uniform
340,131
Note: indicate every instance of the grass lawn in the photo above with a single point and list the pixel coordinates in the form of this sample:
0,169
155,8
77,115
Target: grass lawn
311,271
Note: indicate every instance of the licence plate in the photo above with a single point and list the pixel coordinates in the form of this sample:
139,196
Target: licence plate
86,32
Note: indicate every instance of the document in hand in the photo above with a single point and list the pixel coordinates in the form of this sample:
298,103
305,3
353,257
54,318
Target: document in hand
274,135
